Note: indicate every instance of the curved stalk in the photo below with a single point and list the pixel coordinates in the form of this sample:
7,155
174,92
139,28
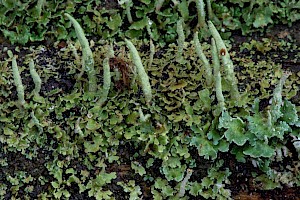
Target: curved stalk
106,81
204,60
188,175
87,55
217,75
180,40
227,62
201,13
143,76
36,78
18,81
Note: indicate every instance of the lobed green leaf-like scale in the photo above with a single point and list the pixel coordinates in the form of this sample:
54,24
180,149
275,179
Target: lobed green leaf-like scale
235,129
260,149
262,130
205,147
289,111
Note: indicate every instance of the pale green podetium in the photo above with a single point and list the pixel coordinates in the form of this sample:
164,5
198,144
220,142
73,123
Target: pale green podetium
152,47
201,13
227,62
217,75
36,78
106,76
277,97
188,175
87,55
128,4
106,81
143,76
18,81
209,10
152,52
180,40
77,128
204,60
36,122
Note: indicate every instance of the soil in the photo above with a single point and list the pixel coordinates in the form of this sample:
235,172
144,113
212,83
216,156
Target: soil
241,179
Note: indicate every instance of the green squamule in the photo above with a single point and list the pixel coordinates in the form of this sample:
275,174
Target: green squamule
227,62
18,81
143,76
159,4
39,6
36,78
204,60
143,117
87,55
